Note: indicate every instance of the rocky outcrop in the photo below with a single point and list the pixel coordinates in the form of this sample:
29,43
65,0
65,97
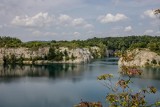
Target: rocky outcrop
140,57
77,55
26,53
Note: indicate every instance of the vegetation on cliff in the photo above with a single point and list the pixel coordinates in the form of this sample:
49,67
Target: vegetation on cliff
111,43
139,57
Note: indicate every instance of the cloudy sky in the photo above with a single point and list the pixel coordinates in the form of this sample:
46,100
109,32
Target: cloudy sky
77,19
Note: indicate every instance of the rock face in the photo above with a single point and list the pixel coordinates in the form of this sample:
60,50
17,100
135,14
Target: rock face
140,57
23,52
81,55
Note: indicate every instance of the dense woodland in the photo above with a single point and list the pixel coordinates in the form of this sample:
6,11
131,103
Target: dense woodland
112,43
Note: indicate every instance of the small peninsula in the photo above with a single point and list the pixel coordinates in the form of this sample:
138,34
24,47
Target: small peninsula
140,57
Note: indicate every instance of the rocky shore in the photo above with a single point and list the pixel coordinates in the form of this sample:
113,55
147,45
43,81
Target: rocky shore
140,57
77,55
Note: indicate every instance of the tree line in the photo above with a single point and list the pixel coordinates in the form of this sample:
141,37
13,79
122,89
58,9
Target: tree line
111,43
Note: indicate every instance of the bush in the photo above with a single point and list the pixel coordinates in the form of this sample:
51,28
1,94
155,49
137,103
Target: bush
122,95
154,62
51,55
73,57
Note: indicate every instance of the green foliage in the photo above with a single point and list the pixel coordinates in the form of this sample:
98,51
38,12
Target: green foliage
147,64
154,62
6,59
138,45
51,55
112,43
20,60
102,49
155,46
122,95
9,42
54,54
130,42
73,57
157,11
105,76
11,59
66,55
89,104
59,56
94,54
35,45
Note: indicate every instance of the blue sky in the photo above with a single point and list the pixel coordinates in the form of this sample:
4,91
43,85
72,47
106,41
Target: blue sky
77,19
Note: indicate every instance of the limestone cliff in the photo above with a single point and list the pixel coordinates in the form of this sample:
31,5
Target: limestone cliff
140,57
77,55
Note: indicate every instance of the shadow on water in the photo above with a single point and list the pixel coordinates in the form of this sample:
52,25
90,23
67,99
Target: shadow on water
151,73
110,61
53,71
62,85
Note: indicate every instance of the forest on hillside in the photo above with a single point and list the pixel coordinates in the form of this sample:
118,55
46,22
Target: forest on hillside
111,43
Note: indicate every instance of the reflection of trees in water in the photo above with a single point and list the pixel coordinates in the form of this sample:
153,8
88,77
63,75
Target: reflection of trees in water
148,72
150,77
54,70
152,73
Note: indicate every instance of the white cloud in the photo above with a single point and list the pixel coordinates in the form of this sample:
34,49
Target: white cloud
149,31
39,33
50,34
76,34
45,20
88,26
36,33
38,20
128,29
78,22
111,18
65,19
117,28
149,13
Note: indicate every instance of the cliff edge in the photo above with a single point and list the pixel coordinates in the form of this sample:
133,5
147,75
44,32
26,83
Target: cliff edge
46,55
139,57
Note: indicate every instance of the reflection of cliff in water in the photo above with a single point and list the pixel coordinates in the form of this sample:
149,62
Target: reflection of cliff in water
54,70
149,77
151,73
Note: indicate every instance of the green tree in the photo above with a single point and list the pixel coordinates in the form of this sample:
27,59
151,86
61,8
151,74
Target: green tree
51,55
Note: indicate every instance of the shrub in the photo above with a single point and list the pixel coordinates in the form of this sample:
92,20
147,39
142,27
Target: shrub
122,95
73,57
51,55
154,62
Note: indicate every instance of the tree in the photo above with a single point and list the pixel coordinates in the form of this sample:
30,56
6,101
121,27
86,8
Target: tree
51,55
122,95
157,11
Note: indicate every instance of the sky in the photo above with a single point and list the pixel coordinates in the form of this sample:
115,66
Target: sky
77,19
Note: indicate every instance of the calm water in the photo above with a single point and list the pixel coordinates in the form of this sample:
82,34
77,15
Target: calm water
63,85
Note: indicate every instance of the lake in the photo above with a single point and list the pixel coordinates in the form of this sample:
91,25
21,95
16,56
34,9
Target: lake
64,85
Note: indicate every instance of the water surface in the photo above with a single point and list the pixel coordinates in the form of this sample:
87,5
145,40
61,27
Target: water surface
63,85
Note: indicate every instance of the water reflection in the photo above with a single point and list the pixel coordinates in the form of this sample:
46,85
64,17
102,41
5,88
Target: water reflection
54,70
56,86
151,73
